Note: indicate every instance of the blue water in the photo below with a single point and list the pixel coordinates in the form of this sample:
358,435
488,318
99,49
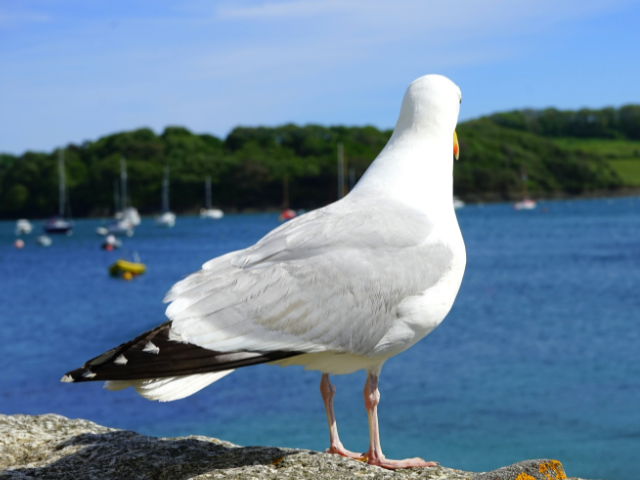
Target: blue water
540,356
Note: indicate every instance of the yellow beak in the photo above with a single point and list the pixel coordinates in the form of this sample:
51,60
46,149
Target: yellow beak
456,147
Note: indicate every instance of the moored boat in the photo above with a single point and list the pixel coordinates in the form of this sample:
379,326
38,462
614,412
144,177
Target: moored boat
167,218
43,241
126,269
209,211
111,243
287,214
58,224
526,203
119,227
126,217
23,227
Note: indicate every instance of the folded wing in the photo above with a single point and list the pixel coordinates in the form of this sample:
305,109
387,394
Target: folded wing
330,280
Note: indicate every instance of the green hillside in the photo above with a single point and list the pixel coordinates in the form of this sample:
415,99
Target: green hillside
562,153
612,134
622,155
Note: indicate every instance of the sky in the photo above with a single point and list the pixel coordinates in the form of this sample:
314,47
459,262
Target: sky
72,71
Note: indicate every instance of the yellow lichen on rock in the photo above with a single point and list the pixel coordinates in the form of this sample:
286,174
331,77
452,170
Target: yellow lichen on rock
524,476
553,470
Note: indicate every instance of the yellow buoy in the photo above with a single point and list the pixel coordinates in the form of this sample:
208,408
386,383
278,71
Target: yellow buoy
122,267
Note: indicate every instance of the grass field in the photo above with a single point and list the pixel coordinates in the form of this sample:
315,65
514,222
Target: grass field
606,148
628,169
622,155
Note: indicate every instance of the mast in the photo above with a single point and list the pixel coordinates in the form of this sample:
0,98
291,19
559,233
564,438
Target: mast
123,182
285,192
165,190
116,197
523,175
207,189
340,170
61,186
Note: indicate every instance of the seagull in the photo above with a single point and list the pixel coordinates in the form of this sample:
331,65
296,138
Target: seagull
337,290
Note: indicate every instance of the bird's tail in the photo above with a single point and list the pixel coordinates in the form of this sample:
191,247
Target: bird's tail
168,389
162,367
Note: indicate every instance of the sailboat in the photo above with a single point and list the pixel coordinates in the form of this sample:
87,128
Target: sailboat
287,213
166,218
128,213
122,225
23,227
58,224
526,203
208,212
457,203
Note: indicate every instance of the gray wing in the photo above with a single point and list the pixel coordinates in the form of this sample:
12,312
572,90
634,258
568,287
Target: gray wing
330,280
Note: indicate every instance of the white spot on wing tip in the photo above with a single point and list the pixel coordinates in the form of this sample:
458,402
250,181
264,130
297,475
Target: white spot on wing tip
67,379
121,360
151,348
175,337
88,374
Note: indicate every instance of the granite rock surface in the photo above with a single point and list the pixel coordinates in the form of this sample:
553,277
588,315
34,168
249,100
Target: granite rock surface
55,447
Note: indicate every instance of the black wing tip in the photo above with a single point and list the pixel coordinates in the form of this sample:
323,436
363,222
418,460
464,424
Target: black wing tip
79,375
155,354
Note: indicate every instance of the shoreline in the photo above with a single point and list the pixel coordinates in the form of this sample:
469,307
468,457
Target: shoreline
487,198
54,447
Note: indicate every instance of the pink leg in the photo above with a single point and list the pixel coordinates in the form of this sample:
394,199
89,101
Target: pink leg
328,391
374,455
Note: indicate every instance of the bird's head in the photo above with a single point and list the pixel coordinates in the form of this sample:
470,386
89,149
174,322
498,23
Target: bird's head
430,107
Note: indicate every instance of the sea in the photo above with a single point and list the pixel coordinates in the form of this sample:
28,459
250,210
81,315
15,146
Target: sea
539,357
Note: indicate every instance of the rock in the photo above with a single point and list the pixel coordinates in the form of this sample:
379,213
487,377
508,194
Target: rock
527,470
54,447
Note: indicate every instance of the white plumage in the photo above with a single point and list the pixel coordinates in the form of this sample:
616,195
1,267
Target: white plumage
346,286
169,388
361,279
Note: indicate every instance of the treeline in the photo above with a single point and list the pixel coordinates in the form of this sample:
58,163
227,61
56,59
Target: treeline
585,123
247,168
496,158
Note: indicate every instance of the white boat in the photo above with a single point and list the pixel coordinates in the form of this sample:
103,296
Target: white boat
118,227
126,217
58,224
526,203
23,227
457,203
131,215
213,213
166,218
43,241
111,243
209,212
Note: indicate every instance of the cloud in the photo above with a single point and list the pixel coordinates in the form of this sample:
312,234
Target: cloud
331,33
15,19
400,14
276,10
211,68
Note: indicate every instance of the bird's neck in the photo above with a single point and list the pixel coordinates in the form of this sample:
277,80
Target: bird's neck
414,171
